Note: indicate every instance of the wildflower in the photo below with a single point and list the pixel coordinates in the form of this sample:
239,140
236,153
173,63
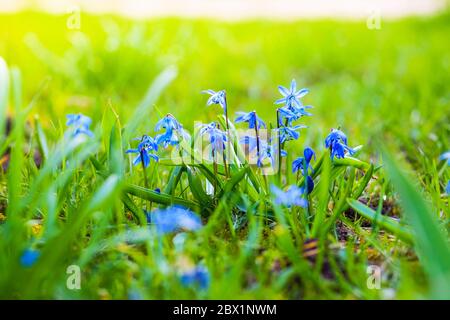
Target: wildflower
336,141
250,141
80,124
289,133
174,131
447,188
291,98
445,156
268,152
172,219
29,257
218,97
217,137
198,276
303,164
291,197
253,120
146,145
308,154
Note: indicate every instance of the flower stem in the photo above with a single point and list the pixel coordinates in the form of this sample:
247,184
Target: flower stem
279,145
227,170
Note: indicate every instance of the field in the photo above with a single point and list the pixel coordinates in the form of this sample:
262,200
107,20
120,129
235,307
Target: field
376,224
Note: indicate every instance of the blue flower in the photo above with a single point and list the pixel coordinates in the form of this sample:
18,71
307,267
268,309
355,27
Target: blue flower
268,152
217,137
291,197
297,164
173,219
168,122
29,257
289,133
174,131
251,142
447,188
198,276
252,119
80,124
445,156
304,164
336,141
291,98
146,145
218,97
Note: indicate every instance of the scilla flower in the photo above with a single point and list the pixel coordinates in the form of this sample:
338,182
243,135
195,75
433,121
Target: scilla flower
79,124
253,120
144,149
218,97
336,141
268,152
217,137
291,197
291,97
174,219
289,133
303,164
174,131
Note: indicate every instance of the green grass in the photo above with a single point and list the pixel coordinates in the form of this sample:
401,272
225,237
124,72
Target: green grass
387,89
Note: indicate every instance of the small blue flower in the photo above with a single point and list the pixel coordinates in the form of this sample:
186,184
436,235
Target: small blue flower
445,156
291,98
297,164
291,197
174,131
29,257
218,97
252,119
268,152
217,137
146,145
173,219
198,276
336,141
289,133
80,124
447,188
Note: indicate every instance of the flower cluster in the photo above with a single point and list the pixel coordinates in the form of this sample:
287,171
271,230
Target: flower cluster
174,131
336,141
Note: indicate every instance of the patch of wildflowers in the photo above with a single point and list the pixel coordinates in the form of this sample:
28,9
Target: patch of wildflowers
79,124
144,149
293,196
173,219
336,141
253,120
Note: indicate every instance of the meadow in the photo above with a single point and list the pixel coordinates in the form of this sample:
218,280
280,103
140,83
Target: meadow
375,225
